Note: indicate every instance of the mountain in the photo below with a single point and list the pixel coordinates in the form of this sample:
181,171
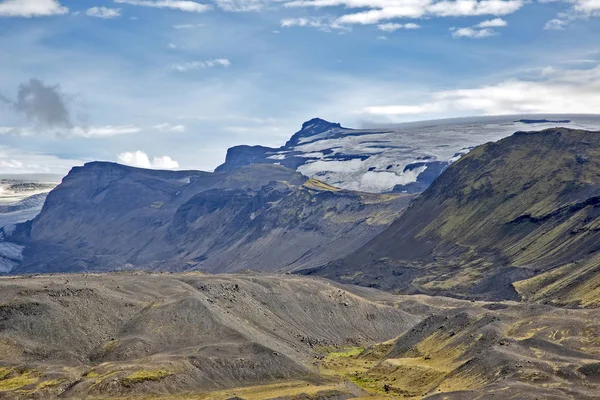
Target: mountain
397,158
106,216
514,219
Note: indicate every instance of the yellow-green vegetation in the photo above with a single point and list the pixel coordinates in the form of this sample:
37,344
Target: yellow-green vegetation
369,198
425,368
50,383
429,366
315,184
92,374
145,375
351,277
353,364
256,392
463,278
385,217
4,372
110,345
14,378
574,284
345,352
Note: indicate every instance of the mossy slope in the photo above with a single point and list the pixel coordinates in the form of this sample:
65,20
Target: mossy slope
515,219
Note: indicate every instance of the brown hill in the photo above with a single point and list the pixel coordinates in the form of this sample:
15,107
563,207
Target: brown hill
110,335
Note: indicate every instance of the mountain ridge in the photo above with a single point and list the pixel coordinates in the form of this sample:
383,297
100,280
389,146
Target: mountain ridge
501,223
107,216
401,158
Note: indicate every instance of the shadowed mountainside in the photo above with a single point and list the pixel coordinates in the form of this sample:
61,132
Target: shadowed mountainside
106,216
515,219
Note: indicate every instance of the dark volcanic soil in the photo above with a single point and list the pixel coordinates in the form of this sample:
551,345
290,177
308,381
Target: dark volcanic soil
251,336
166,333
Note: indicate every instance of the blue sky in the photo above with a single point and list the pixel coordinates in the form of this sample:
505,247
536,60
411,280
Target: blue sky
173,84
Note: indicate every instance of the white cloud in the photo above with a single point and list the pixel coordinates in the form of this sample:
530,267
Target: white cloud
79,131
164,162
324,24
187,26
182,5
385,10
191,65
589,8
103,12
17,161
31,8
241,5
472,33
553,91
480,31
391,27
555,25
170,128
140,159
104,131
492,23
382,38
16,131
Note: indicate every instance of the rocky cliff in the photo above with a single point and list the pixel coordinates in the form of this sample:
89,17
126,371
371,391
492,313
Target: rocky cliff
106,216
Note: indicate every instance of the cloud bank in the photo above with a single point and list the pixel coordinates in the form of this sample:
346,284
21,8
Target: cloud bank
553,91
31,8
141,160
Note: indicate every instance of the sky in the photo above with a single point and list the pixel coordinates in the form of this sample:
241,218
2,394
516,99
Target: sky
173,83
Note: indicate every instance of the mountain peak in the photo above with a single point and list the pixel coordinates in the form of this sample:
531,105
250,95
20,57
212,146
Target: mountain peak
319,124
312,127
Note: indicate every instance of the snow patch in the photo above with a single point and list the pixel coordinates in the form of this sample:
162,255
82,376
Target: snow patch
315,167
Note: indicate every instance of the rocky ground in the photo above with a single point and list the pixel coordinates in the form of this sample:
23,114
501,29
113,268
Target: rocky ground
253,336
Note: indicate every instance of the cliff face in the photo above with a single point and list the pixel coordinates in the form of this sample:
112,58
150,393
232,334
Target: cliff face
513,219
107,216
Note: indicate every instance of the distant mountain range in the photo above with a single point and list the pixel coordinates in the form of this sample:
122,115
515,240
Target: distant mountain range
513,219
106,216
399,158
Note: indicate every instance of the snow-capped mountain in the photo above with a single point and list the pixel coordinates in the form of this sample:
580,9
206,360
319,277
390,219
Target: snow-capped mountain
400,158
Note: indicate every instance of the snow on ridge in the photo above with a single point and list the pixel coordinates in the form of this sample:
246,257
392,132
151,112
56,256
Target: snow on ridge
374,160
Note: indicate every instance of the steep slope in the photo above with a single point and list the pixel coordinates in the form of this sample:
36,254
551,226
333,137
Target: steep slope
514,219
399,158
81,336
106,216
